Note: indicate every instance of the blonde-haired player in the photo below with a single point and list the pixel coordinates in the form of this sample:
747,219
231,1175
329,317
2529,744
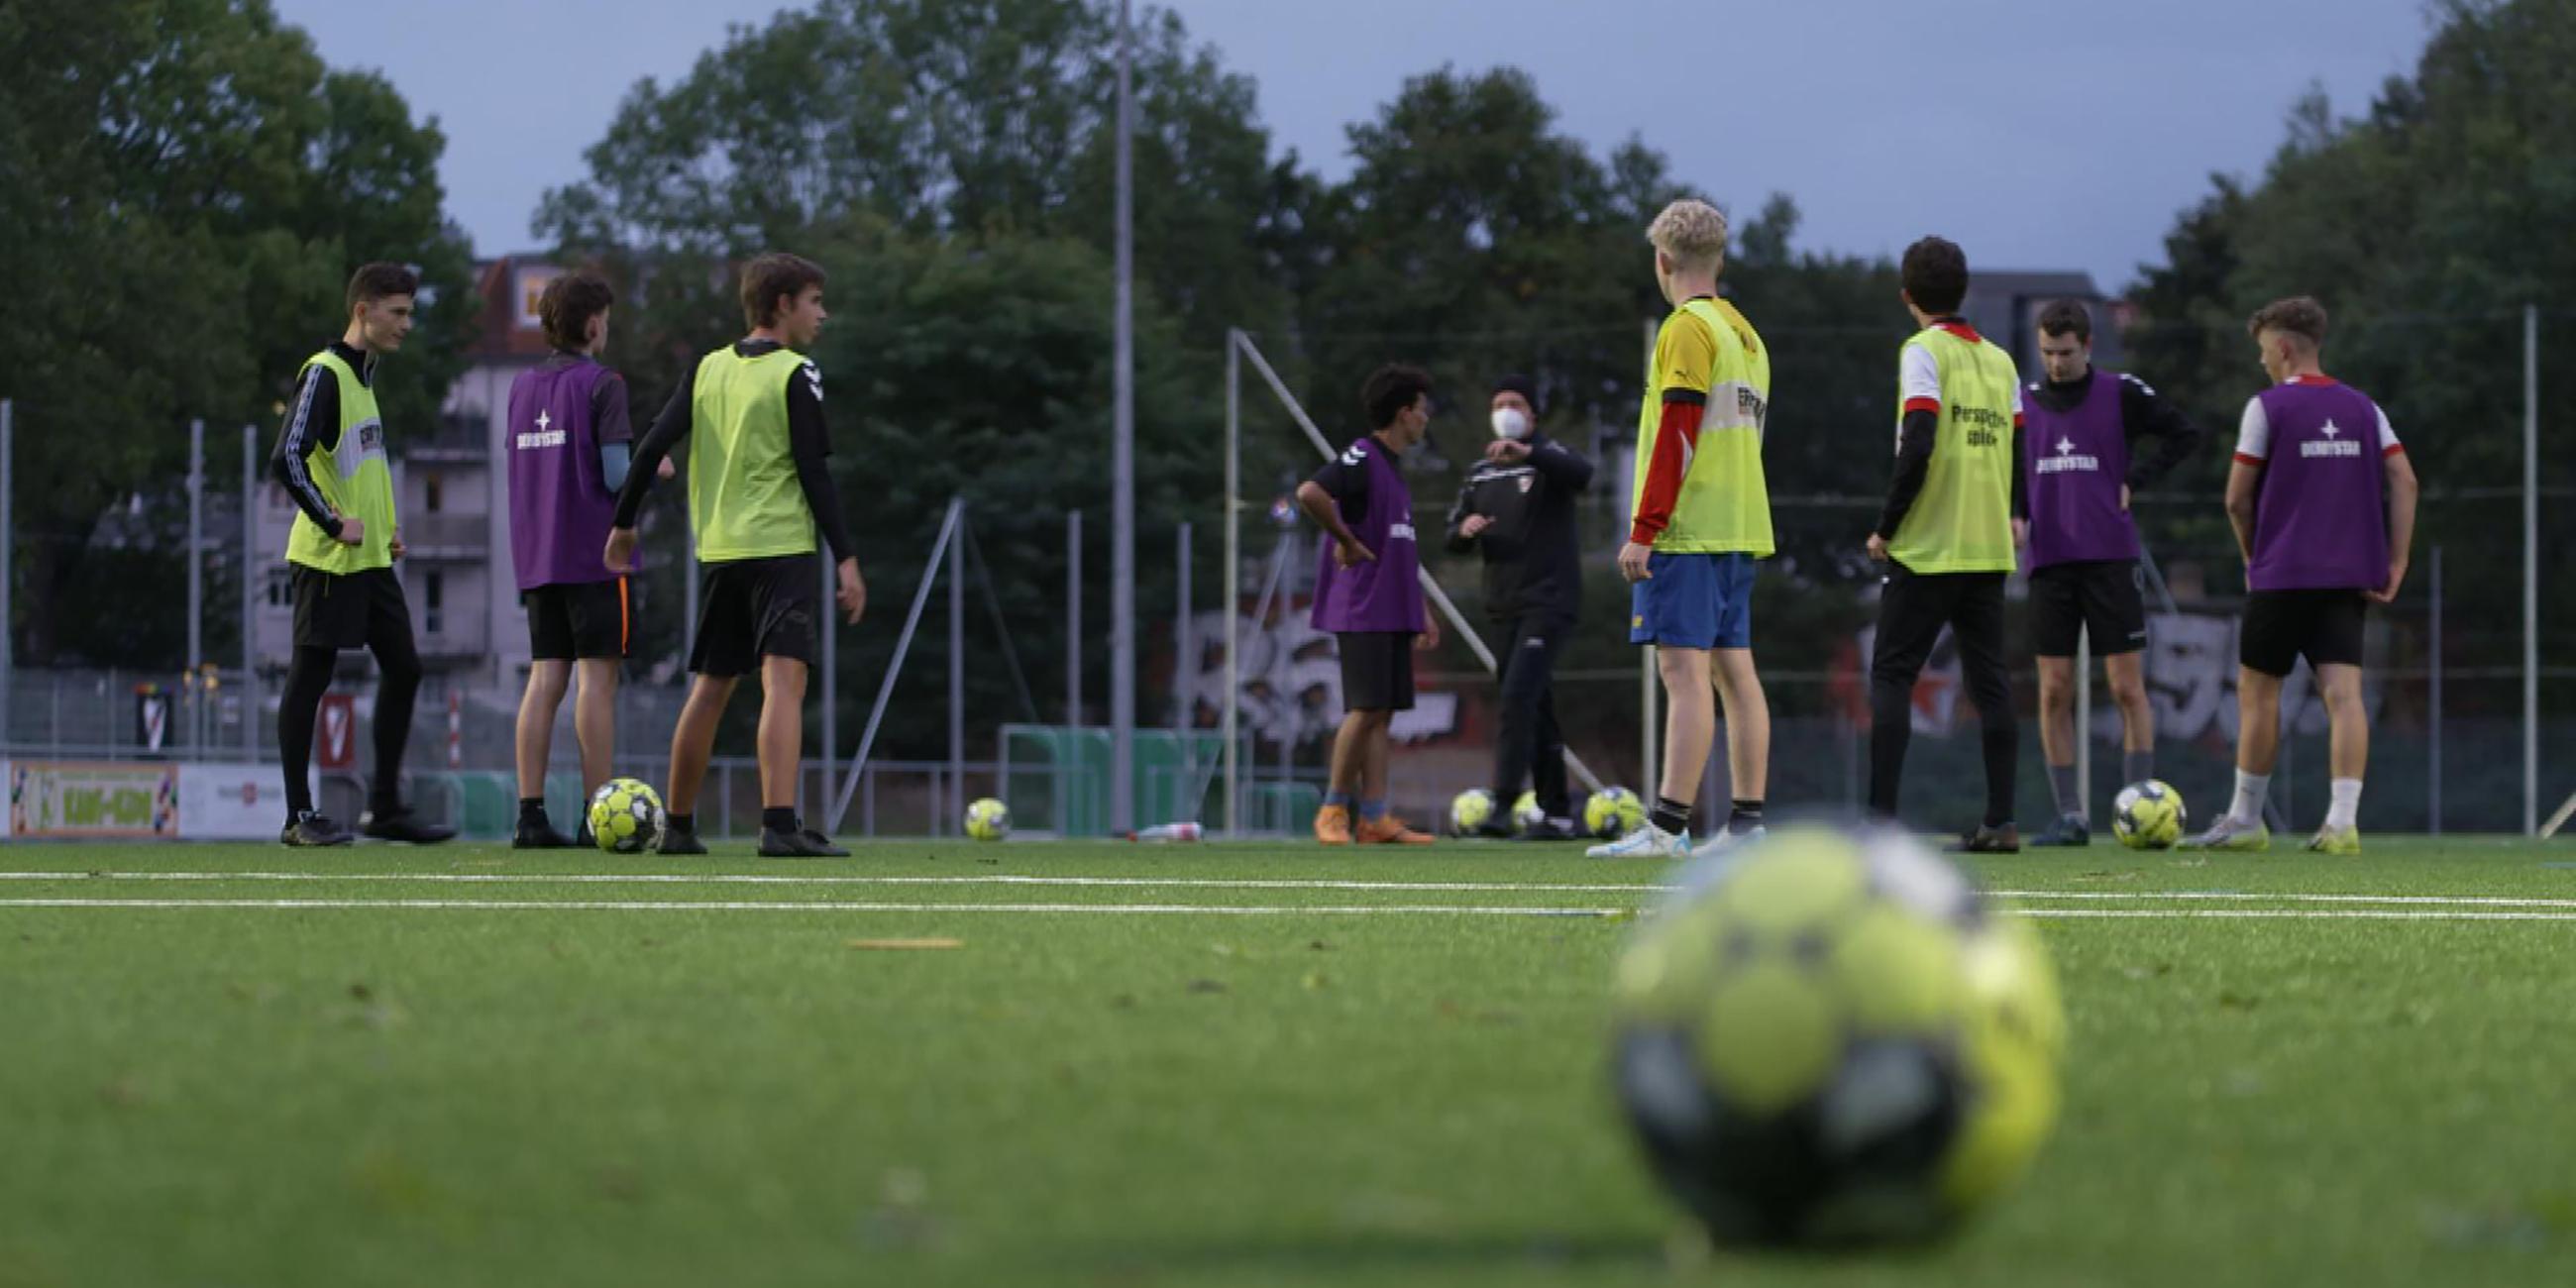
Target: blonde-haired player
1701,517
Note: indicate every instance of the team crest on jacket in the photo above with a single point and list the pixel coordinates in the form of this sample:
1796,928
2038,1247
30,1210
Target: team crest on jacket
1525,483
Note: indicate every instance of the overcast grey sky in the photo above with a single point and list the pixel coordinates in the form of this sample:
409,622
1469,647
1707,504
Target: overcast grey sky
2038,135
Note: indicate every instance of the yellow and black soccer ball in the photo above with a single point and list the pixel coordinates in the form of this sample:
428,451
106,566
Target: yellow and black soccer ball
1613,812
2148,816
1829,1036
626,817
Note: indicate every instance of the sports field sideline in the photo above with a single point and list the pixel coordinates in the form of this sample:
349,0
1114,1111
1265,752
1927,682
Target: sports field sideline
1089,1063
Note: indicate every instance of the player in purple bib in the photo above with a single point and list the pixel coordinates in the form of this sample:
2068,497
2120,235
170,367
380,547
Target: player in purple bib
2323,502
2082,549
569,441
1368,593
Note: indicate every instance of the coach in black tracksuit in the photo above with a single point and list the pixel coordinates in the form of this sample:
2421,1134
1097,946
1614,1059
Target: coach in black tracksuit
1517,508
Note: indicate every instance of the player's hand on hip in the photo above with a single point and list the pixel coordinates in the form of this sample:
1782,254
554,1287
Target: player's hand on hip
1877,547
2396,577
395,546
620,553
353,530
1634,562
853,593
1351,554
1475,524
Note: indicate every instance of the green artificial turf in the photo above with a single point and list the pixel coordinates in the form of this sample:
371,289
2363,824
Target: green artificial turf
395,1095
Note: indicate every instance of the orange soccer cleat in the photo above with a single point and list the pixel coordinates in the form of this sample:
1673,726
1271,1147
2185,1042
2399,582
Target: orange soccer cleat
1333,825
1390,830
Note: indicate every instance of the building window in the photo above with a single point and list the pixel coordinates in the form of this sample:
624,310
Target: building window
431,493
280,588
434,595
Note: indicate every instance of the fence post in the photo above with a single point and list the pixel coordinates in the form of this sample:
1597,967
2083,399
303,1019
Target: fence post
8,566
2433,762
196,584
250,594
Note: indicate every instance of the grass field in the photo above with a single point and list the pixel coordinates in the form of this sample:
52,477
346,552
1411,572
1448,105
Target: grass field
1193,1065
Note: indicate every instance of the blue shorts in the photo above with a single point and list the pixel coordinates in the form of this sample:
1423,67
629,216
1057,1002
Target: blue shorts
1693,601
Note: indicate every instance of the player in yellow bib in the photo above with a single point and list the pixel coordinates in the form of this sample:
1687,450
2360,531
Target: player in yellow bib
340,553
1700,516
760,495
1946,534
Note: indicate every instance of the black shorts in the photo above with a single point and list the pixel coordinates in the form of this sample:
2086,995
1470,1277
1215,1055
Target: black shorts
2106,599
2282,626
756,608
579,619
1377,670
347,610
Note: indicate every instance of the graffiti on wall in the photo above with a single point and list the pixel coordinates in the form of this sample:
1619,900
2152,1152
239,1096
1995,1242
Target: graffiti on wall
1291,683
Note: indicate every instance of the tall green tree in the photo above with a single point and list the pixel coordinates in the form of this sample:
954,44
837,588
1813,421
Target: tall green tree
187,188
2424,225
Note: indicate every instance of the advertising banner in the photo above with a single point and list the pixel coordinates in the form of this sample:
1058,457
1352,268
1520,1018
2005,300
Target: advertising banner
231,802
95,799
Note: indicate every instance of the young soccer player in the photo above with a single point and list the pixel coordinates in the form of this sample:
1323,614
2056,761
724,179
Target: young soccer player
1946,534
341,550
570,446
2082,547
1368,593
759,492
1517,510
1701,516
2322,498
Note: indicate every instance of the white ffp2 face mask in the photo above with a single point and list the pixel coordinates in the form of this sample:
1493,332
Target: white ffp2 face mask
1511,422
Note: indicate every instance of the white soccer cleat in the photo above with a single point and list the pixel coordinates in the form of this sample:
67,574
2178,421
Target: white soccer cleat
1726,842
1647,842
2228,834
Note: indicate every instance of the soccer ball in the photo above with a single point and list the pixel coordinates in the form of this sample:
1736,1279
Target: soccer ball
1525,812
625,817
1613,812
2148,816
988,820
1469,810
1830,1037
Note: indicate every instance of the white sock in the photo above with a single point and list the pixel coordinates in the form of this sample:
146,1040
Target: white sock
2346,810
2250,788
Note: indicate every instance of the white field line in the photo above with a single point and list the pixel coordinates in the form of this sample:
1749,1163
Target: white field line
1215,910
619,905
1230,883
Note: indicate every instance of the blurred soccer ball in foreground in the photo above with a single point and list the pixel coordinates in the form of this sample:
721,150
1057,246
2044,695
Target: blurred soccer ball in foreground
1469,809
625,817
1829,1037
2148,816
988,820
1613,812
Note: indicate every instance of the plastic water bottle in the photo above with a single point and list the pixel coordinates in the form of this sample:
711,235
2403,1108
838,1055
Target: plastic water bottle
1167,833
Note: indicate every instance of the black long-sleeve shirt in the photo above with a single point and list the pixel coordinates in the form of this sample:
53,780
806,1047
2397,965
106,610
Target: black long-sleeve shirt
2143,414
1533,556
313,420
809,444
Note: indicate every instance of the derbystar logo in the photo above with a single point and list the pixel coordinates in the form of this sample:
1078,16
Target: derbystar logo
2068,459
2333,444
545,435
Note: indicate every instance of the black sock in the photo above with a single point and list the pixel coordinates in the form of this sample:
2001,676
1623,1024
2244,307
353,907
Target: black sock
778,818
1671,815
1747,816
532,809
681,822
